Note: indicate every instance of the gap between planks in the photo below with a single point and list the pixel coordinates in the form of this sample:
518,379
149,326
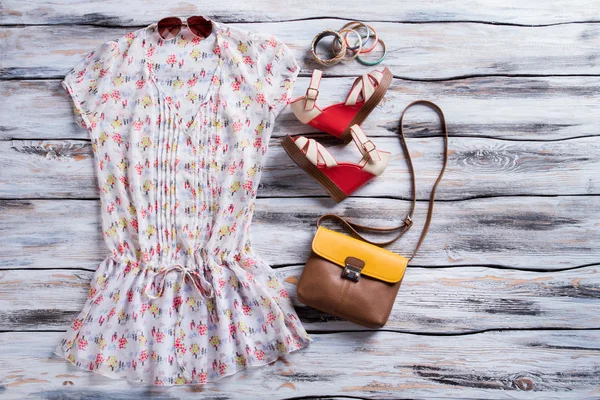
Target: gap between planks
421,136
400,332
329,17
374,197
281,266
399,77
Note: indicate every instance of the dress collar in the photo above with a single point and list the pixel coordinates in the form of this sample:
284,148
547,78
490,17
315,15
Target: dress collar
215,36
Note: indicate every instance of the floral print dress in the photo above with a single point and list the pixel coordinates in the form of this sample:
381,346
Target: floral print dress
179,131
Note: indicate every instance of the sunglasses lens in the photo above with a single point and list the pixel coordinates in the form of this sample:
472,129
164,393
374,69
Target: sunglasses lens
199,26
169,27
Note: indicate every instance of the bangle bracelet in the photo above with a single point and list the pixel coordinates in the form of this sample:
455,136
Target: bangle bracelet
360,60
360,39
369,29
349,26
356,49
338,56
365,50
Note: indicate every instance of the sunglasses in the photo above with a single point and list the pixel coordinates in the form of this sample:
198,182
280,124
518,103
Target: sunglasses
169,27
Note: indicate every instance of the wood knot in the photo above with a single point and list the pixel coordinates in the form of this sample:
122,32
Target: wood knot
524,383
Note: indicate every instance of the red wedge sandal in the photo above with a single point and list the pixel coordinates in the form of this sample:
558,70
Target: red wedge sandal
340,179
336,119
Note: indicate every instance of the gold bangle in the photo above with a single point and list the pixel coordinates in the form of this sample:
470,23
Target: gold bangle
355,50
331,61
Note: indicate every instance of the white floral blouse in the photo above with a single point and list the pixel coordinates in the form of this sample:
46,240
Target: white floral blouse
179,131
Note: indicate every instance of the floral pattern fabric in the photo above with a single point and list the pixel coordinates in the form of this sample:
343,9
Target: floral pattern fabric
179,130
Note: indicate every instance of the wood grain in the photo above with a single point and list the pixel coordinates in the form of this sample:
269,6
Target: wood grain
477,167
433,301
530,364
425,51
541,108
538,233
143,12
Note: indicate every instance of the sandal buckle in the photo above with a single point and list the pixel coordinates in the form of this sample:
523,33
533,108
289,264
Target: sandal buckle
308,96
364,146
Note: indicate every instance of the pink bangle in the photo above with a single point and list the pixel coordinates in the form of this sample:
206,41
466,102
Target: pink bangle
374,43
354,26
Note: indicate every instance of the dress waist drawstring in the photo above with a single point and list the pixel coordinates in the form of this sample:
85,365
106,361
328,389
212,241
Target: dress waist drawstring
192,270
200,283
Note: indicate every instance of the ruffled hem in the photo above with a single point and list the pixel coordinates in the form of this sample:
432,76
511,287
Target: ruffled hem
289,332
109,373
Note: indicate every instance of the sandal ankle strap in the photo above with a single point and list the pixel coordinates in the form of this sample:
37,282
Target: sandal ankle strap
312,92
365,146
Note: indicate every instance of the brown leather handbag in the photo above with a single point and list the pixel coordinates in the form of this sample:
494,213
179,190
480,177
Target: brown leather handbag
357,279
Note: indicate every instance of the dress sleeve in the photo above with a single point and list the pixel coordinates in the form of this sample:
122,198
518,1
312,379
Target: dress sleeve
88,83
277,69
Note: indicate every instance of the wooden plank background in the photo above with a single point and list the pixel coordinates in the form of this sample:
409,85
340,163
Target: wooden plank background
503,300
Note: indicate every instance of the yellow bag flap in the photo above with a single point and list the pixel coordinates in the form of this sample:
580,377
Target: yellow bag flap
380,263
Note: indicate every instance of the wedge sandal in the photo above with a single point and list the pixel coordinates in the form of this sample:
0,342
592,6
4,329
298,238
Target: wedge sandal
339,179
336,119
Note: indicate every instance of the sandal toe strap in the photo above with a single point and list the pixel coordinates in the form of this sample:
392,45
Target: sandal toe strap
364,85
315,152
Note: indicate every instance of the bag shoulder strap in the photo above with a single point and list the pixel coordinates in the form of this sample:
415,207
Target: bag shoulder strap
407,223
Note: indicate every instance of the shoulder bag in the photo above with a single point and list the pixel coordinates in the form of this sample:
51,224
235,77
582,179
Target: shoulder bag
355,278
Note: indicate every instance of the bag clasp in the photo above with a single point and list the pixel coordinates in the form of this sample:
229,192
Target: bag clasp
353,268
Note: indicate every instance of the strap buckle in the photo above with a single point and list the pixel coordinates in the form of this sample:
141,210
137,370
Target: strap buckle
408,221
308,96
364,146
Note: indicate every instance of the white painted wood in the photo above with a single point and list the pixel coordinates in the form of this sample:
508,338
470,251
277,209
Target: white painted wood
499,365
476,167
24,161
540,108
142,12
434,301
539,233
418,51
473,68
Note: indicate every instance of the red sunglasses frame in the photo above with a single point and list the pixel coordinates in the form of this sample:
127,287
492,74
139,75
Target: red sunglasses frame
171,26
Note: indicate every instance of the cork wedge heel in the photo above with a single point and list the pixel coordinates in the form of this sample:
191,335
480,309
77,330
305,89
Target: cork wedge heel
339,179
